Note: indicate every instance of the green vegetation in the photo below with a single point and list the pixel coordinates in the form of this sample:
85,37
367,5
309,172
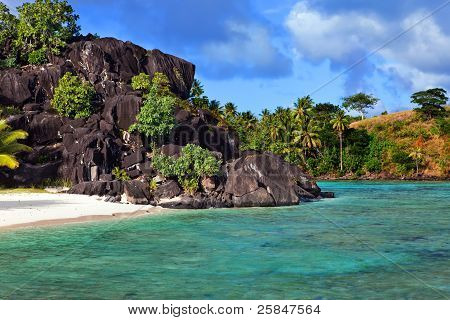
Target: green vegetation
431,102
9,145
156,118
73,98
193,164
322,139
120,174
153,185
142,82
6,111
360,102
42,27
38,57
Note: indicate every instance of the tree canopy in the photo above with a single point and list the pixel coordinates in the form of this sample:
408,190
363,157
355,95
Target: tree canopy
360,102
431,102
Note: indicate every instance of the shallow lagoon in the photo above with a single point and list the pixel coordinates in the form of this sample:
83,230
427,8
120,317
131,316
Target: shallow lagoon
376,240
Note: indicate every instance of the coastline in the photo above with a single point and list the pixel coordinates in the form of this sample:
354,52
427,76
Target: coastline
382,178
30,210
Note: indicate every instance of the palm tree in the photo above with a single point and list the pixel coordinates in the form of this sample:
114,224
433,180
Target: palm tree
215,107
417,155
340,124
197,89
309,137
302,107
265,113
230,109
249,119
9,145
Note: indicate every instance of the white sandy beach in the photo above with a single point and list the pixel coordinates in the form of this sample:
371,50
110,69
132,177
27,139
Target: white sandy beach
28,209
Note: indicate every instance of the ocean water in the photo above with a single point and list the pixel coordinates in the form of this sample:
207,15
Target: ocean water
374,241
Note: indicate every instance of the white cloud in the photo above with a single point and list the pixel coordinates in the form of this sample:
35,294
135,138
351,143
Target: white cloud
250,48
250,44
336,37
425,46
419,58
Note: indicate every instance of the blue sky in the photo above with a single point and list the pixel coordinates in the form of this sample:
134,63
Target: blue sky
261,53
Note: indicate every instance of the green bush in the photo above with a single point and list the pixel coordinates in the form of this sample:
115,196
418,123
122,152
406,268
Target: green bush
120,174
38,57
402,160
193,164
6,111
441,127
373,165
141,82
73,98
8,63
47,24
153,185
156,118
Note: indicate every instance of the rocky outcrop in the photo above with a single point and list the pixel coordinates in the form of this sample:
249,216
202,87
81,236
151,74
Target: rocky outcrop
85,151
264,178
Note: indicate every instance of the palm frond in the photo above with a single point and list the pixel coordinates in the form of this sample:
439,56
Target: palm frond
8,161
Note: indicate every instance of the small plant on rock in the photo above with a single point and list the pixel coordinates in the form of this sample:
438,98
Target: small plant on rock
193,164
73,97
120,174
38,57
141,82
153,185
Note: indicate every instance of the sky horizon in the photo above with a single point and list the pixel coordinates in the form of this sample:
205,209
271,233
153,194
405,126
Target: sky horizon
264,54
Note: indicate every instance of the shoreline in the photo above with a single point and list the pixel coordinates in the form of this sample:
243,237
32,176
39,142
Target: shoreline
34,210
387,179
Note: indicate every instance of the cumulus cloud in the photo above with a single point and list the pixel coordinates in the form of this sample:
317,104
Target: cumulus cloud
418,59
336,37
248,48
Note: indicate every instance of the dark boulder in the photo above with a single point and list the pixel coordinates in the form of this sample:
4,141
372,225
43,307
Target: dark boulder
199,201
284,183
122,110
168,190
98,188
44,128
28,174
133,159
16,87
137,192
260,197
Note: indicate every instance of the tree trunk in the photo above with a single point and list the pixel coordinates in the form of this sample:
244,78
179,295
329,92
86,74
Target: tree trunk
362,115
417,167
340,148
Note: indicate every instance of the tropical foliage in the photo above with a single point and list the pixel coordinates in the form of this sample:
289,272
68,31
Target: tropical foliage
360,103
41,27
156,118
120,174
9,145
325,140
73,98
194,163
431,102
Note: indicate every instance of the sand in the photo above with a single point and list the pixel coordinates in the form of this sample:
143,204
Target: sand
38,209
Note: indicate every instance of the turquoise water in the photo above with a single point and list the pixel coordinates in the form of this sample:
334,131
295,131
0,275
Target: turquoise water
374,241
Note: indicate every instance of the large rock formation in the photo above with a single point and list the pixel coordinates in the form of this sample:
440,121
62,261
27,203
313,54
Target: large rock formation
85,151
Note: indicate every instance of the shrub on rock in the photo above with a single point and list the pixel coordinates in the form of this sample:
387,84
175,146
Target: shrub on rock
193,164
38,57
141,82
73,97
156,118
